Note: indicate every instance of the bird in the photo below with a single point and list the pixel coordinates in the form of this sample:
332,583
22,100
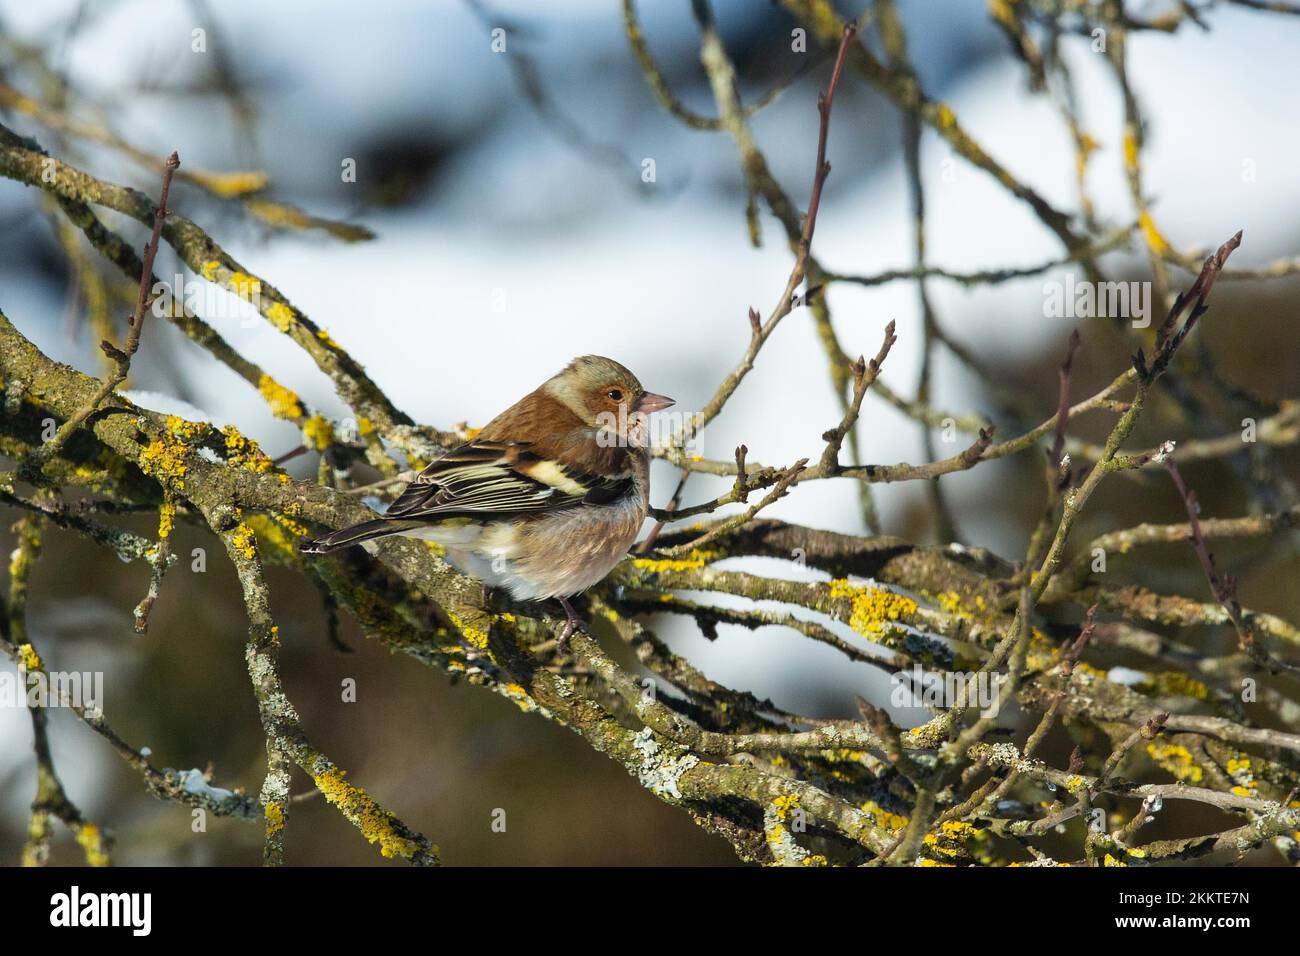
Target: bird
546,499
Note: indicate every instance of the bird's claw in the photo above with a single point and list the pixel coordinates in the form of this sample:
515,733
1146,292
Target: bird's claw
562,642
571,623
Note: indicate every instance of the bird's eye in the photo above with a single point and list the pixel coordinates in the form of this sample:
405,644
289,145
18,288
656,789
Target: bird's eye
615,394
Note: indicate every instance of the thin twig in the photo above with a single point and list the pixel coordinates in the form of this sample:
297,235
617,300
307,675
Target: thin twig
121,357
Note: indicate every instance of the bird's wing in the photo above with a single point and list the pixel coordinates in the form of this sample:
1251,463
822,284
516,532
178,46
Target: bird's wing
494,480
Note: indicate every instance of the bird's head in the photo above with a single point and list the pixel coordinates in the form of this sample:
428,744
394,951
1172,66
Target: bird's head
608,398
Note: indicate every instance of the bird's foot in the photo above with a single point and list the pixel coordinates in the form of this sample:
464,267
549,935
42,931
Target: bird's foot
571,623
562,642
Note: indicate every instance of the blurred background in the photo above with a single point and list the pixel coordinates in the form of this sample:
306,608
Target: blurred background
514,229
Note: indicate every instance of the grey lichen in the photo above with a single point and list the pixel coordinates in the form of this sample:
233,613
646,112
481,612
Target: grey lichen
662,766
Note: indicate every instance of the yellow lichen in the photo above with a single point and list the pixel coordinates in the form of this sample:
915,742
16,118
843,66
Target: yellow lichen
776,835
519,695
165,460
783,805
952,839
280,315
959,605
376,824
843,755
23,104
884,818
243,285
949,601
274,818
1177,760
278,534
244,452
1130,151
1156,242
329,342
1239,768
1175,683
166,517
185,430
697,559
92,844
282,401
872,609
244,541
240,182
1087,146
1044,654
28,659
474,635
317,433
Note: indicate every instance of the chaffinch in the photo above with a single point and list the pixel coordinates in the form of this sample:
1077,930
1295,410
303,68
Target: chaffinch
546,499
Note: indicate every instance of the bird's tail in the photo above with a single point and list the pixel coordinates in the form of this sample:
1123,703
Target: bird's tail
365,531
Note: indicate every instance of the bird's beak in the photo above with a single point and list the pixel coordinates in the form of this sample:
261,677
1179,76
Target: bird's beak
650,402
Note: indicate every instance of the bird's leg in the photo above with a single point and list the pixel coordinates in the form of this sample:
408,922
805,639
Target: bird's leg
571,623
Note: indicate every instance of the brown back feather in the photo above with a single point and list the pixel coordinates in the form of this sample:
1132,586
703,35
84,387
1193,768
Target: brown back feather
554,430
